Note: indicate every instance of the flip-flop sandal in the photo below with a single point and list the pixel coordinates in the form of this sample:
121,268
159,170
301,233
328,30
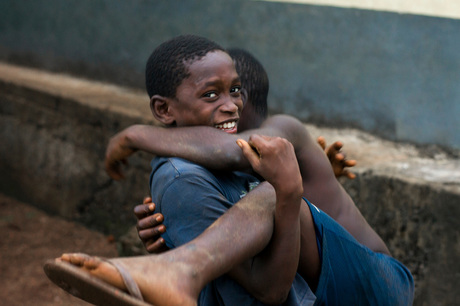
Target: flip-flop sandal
89,288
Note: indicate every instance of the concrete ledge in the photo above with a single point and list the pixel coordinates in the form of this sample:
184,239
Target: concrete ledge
54,130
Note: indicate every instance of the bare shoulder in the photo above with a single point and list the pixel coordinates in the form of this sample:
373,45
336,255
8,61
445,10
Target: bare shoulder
282,120
292,129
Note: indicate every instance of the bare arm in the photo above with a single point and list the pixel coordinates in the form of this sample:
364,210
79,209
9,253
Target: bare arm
275,161
203,145
206,146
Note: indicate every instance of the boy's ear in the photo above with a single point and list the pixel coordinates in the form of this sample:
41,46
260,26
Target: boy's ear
160,107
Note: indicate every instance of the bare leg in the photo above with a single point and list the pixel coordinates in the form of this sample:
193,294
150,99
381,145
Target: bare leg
177,276
309,261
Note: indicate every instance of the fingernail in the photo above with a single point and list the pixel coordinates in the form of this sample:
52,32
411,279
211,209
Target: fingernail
239,143
151,207
158,219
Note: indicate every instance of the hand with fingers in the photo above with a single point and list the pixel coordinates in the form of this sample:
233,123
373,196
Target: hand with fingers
150,227
275,160
337,158
116,155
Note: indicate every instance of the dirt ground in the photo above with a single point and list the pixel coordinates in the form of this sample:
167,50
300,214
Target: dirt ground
28,238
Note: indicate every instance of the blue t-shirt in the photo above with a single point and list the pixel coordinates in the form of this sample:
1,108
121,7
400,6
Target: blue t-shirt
191,198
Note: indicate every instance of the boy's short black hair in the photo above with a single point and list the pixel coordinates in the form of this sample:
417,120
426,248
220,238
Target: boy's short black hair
253,78
166,67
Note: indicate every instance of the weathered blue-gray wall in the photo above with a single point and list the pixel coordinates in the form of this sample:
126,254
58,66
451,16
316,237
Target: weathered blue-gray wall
396,75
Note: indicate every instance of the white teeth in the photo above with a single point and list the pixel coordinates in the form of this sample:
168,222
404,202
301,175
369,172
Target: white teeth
226,125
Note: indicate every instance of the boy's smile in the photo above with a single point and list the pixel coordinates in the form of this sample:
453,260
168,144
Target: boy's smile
210,95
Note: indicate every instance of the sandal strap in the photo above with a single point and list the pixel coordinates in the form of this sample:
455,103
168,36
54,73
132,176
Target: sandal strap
130,284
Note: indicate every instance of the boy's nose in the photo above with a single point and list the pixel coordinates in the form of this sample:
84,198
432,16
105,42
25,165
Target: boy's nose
230,106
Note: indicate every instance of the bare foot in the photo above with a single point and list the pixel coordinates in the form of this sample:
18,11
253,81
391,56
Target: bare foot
161,281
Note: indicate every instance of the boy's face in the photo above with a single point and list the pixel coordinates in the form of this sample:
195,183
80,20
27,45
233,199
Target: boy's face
211,95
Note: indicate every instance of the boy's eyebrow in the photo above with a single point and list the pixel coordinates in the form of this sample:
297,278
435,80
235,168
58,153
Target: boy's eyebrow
210,83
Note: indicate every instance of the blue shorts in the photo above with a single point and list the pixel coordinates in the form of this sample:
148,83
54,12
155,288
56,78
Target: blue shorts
352,274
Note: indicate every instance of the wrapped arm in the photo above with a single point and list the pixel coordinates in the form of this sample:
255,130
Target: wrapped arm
276,162
206,146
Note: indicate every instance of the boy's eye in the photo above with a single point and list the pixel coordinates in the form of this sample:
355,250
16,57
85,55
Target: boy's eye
210,94
235,89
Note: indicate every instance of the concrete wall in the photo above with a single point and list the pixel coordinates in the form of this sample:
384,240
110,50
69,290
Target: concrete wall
392,74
